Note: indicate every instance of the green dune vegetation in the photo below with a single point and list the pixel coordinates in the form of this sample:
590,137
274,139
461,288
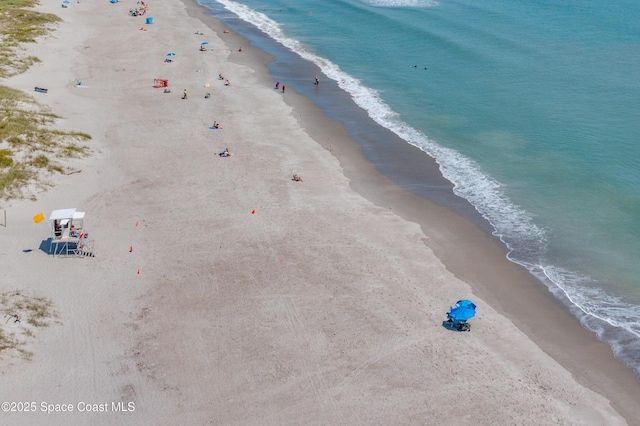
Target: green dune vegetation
30,150
30,147
22,315
20,24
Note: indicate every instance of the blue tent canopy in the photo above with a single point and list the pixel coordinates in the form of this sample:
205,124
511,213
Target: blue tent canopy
465,302
462,313
457,316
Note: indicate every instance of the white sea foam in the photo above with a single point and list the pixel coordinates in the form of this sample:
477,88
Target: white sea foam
614,320
469,182
526,241
403,3
592,300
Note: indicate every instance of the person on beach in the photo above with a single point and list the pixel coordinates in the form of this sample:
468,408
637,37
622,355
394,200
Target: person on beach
227,83
185,94
76,233
277,85
216,125
225,153
317,81
283,86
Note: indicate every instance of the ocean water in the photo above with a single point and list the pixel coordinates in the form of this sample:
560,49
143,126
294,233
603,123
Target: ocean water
531,109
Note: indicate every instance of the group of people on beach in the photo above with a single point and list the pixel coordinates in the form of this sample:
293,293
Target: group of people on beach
140,10
216,125
226,80
317,83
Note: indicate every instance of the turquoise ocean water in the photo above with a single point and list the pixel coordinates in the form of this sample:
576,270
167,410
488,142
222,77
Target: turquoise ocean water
531,109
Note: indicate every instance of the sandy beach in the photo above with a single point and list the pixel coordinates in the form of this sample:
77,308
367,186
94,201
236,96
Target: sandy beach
224,292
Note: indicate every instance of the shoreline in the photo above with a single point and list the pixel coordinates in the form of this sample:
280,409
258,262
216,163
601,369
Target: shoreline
417,172
259,300
463,234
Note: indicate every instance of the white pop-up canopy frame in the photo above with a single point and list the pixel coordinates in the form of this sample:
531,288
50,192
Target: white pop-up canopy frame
68,236
62,220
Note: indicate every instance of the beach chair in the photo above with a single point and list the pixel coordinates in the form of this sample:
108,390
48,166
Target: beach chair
159,83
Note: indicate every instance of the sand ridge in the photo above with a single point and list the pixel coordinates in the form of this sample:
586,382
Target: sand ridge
260,300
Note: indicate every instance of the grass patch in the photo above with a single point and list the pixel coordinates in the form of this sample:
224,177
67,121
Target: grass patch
56,168
33,145
22,316
41,161
19,23
74,150
11,180
29,147
5,158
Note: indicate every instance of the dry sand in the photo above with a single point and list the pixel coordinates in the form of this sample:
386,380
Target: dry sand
260,300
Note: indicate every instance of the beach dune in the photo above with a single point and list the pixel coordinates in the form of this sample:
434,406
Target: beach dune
223,291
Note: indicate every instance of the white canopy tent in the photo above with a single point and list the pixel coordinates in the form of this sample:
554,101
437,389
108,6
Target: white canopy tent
68,236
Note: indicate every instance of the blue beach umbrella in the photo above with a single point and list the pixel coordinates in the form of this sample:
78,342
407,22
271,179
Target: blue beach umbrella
171,54
204,42
457,316
462,313
466,302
